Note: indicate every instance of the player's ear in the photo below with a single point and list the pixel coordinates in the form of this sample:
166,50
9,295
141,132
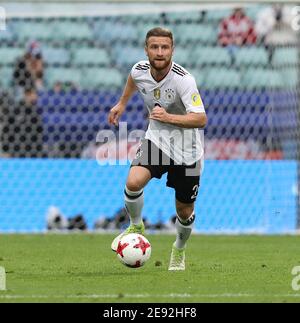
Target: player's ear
146,50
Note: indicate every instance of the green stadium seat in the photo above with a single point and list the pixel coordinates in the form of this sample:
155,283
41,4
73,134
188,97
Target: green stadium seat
28,30
142,30
285,56
66,30
199,75
7,35
195,33
174,17
54,56
262,78
214,16
102,78
62,75
5,77
182,56
253,10
207,55
251,56
8,55
222,78
92,56
110,33
153,19
290,77
126,57
131,19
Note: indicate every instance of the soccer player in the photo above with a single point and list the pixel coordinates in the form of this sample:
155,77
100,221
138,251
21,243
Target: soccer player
173,142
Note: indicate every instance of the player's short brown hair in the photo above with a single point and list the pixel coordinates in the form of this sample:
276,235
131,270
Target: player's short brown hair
159,32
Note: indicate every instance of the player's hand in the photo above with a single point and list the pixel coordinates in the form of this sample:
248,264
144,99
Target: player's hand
159,114
115,113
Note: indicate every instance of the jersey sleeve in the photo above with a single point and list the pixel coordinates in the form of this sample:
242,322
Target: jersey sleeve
138,69
190,95
134,71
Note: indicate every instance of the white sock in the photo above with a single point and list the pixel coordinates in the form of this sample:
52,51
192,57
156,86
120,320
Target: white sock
184,229
134,202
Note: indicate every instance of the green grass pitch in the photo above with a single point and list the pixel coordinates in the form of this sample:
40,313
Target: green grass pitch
82,268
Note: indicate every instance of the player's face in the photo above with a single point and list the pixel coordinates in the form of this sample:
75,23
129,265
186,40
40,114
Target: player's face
159,51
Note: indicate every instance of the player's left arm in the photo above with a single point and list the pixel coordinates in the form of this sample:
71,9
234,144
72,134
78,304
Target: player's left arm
195,116
189,120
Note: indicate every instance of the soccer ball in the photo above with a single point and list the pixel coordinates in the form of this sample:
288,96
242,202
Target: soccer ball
133,250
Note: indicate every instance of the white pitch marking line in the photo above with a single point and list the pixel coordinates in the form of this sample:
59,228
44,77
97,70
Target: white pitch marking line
149,296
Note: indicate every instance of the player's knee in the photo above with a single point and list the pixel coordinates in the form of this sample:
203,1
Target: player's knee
184,212
134,185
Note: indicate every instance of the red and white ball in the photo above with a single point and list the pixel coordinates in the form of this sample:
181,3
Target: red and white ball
133,250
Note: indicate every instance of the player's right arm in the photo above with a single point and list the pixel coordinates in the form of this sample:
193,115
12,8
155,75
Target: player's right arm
116,112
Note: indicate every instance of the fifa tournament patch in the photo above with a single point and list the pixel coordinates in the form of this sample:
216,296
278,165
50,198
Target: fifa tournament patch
196,100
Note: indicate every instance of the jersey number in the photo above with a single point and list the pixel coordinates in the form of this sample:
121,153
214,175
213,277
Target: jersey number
195,190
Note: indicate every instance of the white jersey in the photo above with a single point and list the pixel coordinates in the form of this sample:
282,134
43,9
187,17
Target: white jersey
177,92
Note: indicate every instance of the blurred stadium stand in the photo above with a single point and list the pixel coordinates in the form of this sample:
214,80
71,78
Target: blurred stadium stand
251,98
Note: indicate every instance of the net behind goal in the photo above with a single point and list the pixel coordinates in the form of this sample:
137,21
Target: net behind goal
62,69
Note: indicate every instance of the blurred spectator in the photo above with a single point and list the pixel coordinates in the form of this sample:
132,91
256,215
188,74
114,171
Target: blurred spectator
274,27
58,87
22,133
6,101
29,70
237,30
